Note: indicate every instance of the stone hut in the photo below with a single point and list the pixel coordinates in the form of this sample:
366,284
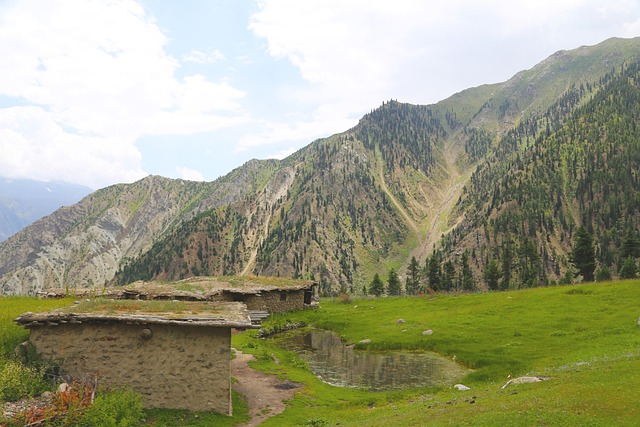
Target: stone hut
269,294
175,353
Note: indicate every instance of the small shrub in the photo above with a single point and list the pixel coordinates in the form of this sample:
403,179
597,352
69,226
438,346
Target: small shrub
316,422
18,380
65,409
81,406
278,325
603,274
629,269
344,298
114,408
567,279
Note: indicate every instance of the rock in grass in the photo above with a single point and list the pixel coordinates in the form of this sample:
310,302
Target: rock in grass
461,387
524,380
400,321
427,332
367,341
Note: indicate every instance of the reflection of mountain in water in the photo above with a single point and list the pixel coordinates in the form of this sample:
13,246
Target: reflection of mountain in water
333,362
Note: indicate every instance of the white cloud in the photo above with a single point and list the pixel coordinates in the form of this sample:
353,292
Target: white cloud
200,57
98,70
367,51
294,131
282,153
357,54
36,147
189,174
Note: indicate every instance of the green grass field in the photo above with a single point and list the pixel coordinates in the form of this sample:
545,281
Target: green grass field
585,338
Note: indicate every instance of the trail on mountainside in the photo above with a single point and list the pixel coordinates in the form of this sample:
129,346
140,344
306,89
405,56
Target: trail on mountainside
254,252
451,193
407,218
447,195
282,191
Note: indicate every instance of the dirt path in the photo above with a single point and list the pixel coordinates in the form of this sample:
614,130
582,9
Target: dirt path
265,394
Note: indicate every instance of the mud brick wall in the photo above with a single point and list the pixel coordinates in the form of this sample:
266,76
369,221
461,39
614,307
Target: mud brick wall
180,367
275,302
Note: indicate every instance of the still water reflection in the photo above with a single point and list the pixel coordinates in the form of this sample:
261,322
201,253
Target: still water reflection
334,363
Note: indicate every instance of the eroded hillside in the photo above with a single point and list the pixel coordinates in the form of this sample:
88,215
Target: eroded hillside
515,165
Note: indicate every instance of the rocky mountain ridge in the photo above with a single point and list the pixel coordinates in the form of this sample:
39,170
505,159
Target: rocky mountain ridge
344,207
24,201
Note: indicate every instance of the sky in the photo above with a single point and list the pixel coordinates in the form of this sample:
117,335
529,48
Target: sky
98,92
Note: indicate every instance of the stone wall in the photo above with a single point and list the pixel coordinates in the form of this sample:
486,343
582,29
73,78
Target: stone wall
274,302
181,367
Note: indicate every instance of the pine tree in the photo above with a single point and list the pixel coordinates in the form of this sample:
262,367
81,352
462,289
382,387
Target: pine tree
376,287
413,277
630,246
507,265
434,274
492,275
603,274
393,283
629,269
448,276
467,282
583,256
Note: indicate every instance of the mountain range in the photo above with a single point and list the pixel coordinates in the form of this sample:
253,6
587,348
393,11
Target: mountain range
23,201
495,178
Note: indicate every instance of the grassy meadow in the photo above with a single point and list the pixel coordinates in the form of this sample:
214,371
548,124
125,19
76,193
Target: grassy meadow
584,338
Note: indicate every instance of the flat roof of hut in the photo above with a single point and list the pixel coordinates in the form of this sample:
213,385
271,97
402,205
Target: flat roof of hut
199,288
172,312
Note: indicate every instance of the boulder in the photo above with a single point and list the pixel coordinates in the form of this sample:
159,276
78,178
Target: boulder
524,380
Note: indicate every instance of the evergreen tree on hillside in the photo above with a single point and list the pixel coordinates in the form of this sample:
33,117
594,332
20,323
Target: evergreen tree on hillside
603,274
448,276
583,256
434,274
376,287
630,246
393,283
507,265
492,275
629,269
413,277
466,276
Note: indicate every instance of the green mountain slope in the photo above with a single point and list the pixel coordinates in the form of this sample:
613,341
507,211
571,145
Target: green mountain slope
576,166
83,245
496,176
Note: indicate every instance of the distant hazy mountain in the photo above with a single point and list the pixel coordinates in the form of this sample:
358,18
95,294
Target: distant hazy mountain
23,201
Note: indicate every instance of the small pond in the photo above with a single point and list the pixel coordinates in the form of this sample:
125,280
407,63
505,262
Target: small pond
337,364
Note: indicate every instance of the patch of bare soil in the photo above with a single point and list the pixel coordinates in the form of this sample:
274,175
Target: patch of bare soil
265,394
